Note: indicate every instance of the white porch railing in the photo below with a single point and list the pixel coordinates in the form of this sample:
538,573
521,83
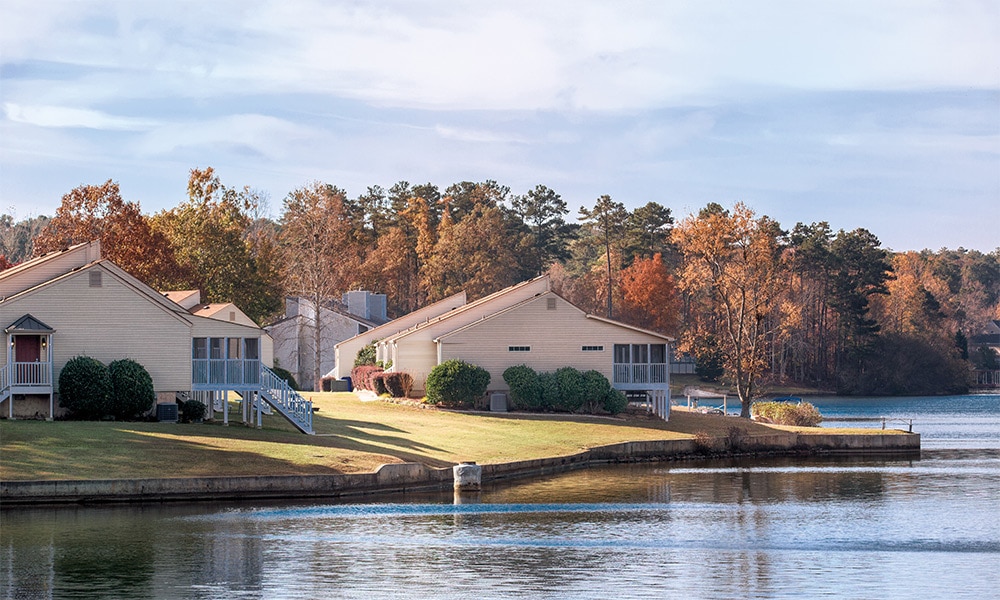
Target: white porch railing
222,373
25,378
243,375
287,401
640,373
31,373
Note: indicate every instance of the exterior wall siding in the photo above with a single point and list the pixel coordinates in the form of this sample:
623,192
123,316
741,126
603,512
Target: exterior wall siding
108,323
347,350
556,338
416,352
294,337
23,277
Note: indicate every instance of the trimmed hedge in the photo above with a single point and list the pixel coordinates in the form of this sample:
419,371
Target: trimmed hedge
132,393
457,384
615,401
362,377
525,391
571,389
801,414
85,388
398,384
193,410
567,389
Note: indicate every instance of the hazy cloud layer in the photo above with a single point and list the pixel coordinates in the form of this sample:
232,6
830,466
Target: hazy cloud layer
878,114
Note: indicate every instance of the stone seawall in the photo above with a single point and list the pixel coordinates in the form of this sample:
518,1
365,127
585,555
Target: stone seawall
414,476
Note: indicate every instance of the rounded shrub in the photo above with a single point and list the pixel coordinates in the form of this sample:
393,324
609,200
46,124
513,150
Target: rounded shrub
85,388
615,401
132,393
398,383
525,391
595,389
363,377
456,384
549,387
571,389
378,383
193,411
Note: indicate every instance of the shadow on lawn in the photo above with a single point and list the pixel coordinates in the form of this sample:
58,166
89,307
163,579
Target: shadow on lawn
139,451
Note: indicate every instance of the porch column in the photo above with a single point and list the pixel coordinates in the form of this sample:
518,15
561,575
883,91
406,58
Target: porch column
52,379
10,379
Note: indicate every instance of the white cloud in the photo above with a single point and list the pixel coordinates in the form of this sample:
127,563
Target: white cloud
62,116
259,135
520,55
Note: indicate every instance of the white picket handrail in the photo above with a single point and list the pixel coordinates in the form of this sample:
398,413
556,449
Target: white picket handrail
287,401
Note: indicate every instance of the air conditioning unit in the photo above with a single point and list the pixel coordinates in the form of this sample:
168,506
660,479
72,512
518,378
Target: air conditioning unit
498,402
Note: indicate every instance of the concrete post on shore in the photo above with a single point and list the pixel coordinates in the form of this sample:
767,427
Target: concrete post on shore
468,477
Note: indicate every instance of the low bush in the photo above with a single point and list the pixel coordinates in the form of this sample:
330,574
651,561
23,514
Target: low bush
801,414
548,387
378,383
525,390
571,389
85,388
703,443
132,393
456,384
596,389
362,377
398,383
193,411
615,401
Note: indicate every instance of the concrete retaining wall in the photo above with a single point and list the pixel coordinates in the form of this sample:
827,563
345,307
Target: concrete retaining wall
415,476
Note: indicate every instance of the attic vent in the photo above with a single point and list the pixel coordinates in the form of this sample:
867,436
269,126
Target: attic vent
232,315
550,304
95,279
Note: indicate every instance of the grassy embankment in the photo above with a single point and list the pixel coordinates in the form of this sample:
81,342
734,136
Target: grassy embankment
352,436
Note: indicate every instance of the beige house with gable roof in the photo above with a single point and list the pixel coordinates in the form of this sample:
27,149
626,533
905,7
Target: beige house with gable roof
530,324
72,302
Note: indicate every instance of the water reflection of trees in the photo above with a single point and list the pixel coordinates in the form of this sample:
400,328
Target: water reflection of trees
124,551
717,481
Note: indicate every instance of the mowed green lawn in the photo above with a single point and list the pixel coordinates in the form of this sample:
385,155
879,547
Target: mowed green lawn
351,436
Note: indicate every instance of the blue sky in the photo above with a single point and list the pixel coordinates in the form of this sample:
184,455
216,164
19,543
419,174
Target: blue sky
879,114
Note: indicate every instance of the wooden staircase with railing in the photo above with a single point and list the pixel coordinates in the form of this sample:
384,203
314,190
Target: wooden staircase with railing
255,382
290,404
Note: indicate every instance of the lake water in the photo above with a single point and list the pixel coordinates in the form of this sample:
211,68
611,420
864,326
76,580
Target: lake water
778,528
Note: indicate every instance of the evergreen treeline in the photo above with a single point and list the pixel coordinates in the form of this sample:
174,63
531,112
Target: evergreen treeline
807,305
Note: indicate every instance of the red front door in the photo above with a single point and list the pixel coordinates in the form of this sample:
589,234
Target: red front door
27,348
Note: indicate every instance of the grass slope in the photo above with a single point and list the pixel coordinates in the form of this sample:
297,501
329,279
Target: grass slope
351,436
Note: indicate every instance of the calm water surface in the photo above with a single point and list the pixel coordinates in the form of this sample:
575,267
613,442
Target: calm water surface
781,528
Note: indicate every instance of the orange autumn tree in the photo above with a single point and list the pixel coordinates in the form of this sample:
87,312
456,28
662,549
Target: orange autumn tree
98,212
650,295
734,265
